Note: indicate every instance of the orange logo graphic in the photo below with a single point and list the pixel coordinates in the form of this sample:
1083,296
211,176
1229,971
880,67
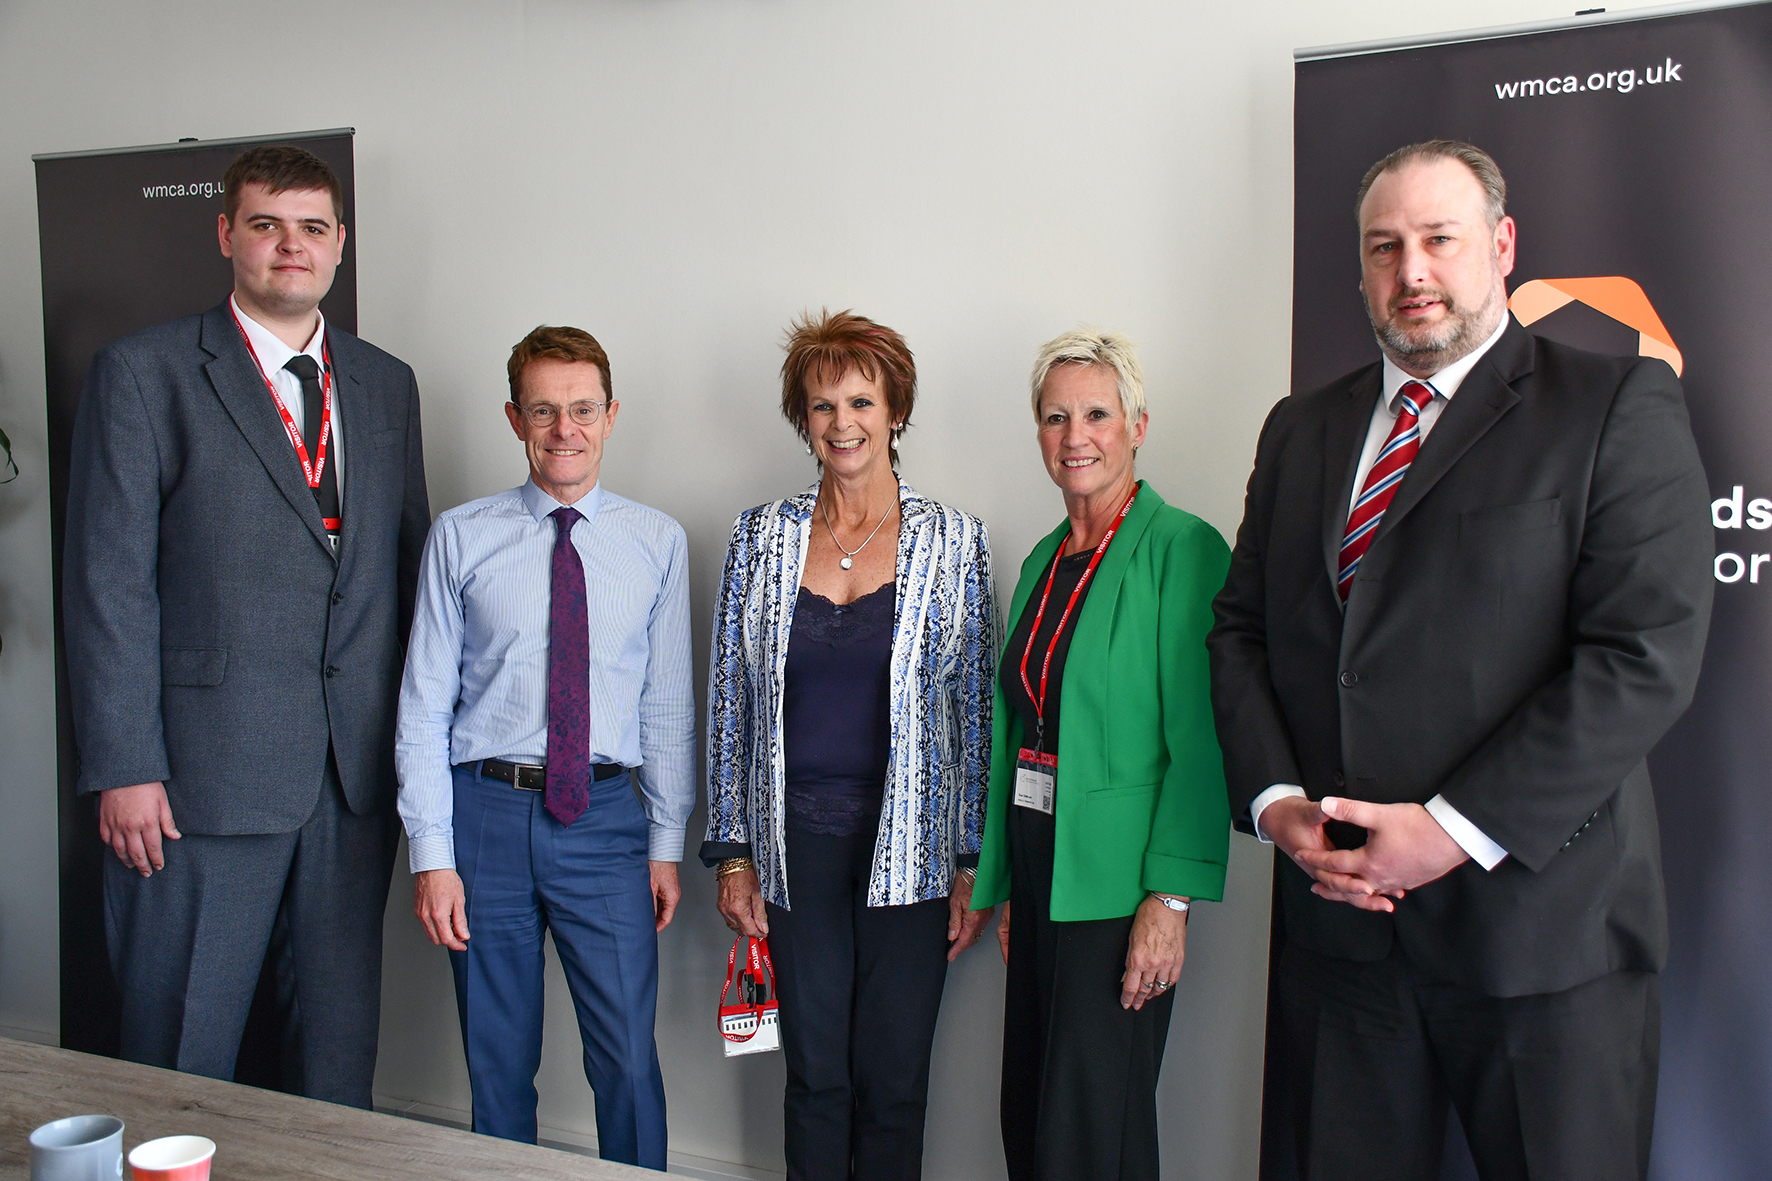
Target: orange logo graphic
1610,295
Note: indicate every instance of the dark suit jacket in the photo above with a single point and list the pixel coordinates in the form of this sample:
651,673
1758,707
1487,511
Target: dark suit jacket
1526,625
214,641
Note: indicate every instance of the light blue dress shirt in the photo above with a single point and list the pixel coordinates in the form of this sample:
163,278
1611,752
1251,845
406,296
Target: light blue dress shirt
476,683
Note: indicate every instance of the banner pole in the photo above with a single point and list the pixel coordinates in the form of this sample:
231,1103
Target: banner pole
1578,21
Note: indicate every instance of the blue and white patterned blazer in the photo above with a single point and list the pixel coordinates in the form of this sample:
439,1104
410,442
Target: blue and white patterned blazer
944,648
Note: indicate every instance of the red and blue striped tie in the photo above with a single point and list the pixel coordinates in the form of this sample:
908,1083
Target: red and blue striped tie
1382,481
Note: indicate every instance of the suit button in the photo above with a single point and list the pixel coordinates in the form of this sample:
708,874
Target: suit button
337,598
1339,781
332,670
1350,679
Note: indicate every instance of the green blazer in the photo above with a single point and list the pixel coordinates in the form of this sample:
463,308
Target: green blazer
1141,802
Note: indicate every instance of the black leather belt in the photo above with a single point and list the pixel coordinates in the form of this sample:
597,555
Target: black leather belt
525,777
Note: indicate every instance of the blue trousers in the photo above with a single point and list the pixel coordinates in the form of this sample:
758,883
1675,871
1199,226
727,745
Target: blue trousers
525,874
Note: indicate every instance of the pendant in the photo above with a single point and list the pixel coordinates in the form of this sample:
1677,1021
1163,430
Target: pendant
846,563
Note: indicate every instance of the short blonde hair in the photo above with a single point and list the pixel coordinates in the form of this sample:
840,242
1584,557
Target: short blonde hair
1094,346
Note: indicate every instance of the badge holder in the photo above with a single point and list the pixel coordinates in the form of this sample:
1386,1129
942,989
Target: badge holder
1036,777
750,1023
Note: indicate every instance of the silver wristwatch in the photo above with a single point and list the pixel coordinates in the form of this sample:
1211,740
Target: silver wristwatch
1178,905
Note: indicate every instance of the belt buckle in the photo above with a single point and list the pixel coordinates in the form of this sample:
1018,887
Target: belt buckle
524,769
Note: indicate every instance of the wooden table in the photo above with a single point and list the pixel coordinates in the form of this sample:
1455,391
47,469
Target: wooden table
261,1135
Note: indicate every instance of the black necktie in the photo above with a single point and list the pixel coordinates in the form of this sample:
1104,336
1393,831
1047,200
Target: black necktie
313,409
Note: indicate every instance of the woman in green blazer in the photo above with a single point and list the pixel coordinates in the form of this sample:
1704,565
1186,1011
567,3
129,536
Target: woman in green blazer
1107,813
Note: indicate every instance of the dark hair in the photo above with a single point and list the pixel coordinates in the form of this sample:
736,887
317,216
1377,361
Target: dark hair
1481,164
280,168
827,348
558,344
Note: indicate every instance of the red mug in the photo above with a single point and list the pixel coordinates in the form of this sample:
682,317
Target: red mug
173,1158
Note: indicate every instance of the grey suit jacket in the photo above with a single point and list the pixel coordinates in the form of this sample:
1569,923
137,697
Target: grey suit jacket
214,641
1526,625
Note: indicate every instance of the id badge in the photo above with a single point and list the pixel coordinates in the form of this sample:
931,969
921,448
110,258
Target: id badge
1036,777
751,1033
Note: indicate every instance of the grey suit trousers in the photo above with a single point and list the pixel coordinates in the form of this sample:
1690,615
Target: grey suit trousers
188,944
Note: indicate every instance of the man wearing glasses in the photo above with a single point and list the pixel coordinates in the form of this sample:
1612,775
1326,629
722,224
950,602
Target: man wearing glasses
548,674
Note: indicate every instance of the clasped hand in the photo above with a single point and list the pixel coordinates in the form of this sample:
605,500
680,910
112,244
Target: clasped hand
1405,848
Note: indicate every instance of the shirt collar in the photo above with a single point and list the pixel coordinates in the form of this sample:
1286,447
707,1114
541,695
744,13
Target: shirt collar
273,354
540,504
1446,382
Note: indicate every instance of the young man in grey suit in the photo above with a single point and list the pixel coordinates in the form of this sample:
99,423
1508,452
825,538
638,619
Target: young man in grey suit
1470,592
246,513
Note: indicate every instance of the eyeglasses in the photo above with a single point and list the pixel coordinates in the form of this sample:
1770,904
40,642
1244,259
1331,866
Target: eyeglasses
545,414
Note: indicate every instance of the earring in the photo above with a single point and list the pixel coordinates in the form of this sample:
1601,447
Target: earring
809,448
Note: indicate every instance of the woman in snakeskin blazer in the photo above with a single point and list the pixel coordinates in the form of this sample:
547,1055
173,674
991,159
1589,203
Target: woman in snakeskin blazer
849,724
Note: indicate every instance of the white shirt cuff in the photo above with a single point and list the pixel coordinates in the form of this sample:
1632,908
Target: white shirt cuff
430,852
664,844
1279,791
1470,838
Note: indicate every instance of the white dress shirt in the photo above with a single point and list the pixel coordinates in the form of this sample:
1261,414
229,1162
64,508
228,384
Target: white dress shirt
476,682
1445,383
273,354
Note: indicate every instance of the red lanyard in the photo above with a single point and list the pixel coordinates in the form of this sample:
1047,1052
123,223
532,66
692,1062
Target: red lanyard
1076,593
761,970
312,469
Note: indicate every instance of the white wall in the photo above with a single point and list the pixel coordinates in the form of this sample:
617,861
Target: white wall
681,177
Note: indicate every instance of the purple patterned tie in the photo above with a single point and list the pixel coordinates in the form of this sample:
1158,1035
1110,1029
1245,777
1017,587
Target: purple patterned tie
569,679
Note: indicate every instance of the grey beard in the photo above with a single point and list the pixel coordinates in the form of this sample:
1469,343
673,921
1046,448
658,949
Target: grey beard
1455,337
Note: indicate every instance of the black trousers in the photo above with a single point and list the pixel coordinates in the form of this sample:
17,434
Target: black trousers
304,908
1080,1073
1554,1086
860,989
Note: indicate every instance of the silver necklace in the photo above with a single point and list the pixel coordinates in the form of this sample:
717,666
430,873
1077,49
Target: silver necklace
848,554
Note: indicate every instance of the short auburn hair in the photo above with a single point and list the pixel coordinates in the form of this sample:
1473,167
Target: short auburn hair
558,344
828,347
280,168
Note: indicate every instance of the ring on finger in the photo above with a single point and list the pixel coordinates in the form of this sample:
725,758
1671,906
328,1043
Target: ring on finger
1160,985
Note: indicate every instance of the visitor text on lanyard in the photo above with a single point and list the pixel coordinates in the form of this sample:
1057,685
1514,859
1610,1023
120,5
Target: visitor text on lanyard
311,467
1036,772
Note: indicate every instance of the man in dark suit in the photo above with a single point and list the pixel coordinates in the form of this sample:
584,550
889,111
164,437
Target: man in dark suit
246,513
1470,592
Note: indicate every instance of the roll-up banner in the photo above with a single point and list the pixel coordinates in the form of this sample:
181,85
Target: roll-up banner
128,240
1638,154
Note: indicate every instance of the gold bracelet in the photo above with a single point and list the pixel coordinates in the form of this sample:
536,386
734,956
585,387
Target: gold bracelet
733,865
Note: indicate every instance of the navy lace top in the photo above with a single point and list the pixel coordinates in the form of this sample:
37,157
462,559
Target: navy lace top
835,712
